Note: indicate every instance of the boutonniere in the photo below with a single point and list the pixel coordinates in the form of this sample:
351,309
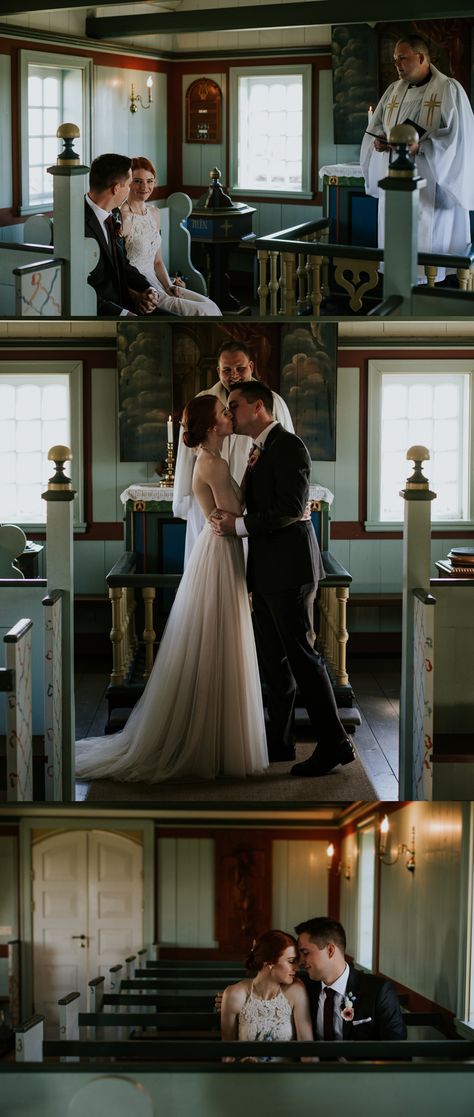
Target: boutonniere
347,1011
254,455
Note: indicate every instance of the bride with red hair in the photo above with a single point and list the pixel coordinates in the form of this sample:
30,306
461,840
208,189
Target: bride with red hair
141,230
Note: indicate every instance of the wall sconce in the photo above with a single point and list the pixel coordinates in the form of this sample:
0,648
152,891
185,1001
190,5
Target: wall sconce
345,868
401,849
135,98
330,854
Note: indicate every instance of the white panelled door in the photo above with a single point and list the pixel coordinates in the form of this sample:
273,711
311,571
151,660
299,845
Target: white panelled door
87,912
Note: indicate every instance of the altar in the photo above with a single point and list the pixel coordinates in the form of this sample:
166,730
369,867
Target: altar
352,212
157,538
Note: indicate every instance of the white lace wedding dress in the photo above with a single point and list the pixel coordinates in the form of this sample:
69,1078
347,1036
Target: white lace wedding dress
201,713
266,1020
142,242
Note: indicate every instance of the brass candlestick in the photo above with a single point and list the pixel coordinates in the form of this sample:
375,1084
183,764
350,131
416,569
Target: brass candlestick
167,480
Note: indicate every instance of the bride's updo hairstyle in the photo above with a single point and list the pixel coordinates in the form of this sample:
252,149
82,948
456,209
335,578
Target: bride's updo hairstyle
268,949
198,417
141,163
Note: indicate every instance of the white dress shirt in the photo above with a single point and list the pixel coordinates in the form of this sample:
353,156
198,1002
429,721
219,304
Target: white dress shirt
240,528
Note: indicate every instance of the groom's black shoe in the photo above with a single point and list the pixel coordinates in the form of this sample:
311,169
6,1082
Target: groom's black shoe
322,764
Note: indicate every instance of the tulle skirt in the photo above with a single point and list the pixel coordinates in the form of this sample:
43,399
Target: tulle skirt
201,713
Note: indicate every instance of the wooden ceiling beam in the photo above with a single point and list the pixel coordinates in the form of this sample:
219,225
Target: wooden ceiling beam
258,17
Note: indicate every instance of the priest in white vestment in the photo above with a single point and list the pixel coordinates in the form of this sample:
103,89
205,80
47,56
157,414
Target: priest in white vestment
234,364
438,106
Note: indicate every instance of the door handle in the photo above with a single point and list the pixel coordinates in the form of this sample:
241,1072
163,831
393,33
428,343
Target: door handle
83,939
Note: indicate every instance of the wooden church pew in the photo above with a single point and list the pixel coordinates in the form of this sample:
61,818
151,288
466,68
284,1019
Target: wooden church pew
359,1089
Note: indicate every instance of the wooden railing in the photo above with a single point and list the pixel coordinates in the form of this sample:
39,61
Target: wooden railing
124,584
299,267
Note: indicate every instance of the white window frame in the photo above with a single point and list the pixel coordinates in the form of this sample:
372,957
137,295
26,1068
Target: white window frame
237,72
75,468
376,370
59,62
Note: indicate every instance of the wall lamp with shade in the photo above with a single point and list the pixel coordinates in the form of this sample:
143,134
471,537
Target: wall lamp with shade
135,98
400,850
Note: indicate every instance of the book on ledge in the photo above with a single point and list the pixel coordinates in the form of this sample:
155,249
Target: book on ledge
462,556
461,562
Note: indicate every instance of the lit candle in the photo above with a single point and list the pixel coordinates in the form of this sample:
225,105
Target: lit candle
370,114
169,427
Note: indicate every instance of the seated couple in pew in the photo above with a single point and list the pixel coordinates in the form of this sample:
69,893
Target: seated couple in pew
131,277
329,1001
201,714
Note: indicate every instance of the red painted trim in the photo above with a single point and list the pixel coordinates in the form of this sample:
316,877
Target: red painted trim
122,61
99,530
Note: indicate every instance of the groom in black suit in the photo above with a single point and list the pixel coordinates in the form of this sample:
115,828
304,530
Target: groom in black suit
345,1003
284,567
122,291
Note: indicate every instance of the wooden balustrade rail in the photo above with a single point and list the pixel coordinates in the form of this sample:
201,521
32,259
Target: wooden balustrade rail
123,582
294,264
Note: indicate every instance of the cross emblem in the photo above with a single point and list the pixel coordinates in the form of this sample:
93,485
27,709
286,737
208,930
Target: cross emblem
226,225
431,105
392,105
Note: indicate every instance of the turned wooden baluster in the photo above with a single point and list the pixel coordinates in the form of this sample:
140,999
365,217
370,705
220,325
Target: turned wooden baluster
288,282
149,634
118,666
274,285
263,288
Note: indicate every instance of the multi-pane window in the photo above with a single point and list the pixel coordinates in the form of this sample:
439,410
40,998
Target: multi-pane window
270,146
54,91
45,114
36,413
420,403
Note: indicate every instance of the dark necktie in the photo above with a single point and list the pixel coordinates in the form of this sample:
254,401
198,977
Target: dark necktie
110,226
328,1014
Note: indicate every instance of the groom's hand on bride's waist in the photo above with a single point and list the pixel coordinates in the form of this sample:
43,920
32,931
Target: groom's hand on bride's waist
223,522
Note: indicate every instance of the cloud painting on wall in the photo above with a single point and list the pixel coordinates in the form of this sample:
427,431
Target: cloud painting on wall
145,389
308,384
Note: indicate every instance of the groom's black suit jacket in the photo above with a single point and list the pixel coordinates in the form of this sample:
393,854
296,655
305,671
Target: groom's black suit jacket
283,549
375,1002
112,289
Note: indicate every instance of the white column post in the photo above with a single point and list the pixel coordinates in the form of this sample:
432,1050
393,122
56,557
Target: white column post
401,220
416,575
60,576
80,253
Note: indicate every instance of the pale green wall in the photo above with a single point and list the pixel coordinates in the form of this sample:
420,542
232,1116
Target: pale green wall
420,934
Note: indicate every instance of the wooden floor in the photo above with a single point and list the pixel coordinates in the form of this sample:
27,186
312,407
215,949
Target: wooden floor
376,683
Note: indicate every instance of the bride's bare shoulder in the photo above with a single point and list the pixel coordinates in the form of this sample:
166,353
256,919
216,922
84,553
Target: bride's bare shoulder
235,995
